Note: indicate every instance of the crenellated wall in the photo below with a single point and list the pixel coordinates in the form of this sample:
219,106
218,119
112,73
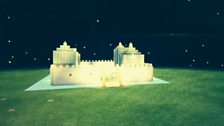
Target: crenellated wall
101,72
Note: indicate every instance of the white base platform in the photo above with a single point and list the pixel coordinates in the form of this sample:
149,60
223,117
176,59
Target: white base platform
44,84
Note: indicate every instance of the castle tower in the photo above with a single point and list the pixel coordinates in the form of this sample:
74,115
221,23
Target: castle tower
127,55
65,55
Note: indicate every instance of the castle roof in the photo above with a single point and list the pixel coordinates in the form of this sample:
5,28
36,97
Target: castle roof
66,47
128,50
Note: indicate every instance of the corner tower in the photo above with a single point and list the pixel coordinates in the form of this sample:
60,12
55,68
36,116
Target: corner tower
65,55
127,55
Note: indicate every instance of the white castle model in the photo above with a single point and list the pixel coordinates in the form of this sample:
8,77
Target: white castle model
127,67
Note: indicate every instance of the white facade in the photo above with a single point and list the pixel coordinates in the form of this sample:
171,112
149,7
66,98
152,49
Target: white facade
127,68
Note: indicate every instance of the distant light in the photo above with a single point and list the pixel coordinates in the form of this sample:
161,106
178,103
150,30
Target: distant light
9,41
148,53
188,0
203,45
12,57
94,54
48,59
9,62
50,100
12,110
207,62
217,13
26,53
190,65
9,17
186,50
110,44
97,20
3,99
193,60
84,47
35,59
222,65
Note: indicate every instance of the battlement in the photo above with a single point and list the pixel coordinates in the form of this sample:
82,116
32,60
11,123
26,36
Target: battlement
109,63
96,61
135,65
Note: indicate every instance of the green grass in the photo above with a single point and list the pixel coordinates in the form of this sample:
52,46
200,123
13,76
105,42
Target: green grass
194,98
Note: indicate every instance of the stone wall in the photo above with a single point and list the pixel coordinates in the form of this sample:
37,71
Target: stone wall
103,73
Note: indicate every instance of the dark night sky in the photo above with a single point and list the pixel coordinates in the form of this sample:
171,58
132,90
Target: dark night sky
175,33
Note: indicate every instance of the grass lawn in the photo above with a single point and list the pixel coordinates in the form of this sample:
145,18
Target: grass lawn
194,98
